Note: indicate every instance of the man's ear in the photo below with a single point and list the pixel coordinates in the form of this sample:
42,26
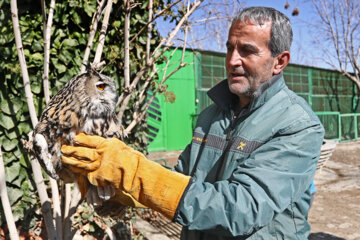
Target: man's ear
281,61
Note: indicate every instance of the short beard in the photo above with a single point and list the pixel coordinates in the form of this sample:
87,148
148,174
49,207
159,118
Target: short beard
248,92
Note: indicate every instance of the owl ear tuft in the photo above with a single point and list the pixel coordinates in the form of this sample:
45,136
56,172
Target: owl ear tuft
87,67
92,71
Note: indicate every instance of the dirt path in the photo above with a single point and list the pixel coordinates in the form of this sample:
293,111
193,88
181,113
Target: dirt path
335,213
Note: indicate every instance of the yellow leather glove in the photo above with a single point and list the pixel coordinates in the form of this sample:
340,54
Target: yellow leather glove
111,162
120,196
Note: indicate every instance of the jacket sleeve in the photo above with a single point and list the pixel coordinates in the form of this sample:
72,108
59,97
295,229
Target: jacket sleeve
273,176
182,165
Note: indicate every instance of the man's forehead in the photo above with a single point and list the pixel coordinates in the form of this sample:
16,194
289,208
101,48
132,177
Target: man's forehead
249,30
260,24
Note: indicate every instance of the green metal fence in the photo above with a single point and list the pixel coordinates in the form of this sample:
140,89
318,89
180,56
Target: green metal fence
341,126
350,123
324,90
209,70
332,124
331,95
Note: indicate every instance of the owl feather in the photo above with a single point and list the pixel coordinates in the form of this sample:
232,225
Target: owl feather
84,104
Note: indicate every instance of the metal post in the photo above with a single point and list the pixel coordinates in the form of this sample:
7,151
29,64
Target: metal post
310,87
355,126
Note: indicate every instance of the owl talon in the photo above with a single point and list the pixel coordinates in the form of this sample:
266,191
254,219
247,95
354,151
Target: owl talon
92,197
106,192
54,176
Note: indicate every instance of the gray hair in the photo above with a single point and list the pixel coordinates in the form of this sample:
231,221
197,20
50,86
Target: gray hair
281,31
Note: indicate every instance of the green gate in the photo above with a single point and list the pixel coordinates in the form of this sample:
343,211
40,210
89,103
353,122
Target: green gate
170,124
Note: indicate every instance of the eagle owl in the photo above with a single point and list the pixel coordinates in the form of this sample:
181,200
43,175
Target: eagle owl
84,104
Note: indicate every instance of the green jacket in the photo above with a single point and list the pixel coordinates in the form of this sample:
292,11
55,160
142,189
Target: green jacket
250,173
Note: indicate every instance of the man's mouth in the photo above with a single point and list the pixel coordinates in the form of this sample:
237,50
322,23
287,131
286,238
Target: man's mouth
235,75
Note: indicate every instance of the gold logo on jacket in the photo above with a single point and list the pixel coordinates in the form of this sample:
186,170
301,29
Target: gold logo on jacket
204,140
241,146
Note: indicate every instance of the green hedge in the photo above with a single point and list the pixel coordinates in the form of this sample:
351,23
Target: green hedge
69,37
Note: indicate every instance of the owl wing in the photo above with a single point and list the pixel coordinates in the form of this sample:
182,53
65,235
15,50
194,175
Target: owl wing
115,129
57,126
42,150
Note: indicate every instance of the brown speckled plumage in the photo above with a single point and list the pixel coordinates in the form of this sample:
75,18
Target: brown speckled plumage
85,104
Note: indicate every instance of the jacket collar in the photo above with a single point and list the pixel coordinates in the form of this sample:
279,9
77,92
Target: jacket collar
221,95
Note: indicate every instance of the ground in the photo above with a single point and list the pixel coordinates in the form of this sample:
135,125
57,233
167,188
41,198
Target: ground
335,213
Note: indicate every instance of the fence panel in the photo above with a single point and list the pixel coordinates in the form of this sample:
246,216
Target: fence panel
331,122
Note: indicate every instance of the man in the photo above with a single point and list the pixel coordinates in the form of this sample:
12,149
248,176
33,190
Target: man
247,172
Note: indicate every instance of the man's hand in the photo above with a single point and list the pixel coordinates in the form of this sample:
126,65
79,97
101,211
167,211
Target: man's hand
95,157
111,162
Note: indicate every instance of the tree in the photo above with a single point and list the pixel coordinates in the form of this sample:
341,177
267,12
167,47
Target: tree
337,34
130,46
209,27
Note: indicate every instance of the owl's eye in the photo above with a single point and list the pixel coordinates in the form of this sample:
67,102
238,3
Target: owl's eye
101,86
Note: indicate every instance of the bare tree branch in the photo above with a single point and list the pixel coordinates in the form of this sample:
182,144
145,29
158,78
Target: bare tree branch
56,207
339,26
127,75
162,47
104,26
53,183
13,234
43,11
44,199
22,61
72,206
150,7
93,28
138,117
126,45
47,35
159,14
66,206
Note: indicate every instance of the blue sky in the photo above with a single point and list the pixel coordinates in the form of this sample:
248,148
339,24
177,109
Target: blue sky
302,50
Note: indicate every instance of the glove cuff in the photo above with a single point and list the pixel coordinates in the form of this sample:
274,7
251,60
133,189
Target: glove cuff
161,189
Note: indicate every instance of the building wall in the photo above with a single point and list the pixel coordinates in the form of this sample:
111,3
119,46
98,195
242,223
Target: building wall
174,123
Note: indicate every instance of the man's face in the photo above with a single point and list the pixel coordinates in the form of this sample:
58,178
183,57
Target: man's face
248,60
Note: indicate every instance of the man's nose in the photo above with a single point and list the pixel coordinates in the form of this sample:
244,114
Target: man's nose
234,58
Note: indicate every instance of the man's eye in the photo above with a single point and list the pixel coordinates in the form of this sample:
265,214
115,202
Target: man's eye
100,86
229,46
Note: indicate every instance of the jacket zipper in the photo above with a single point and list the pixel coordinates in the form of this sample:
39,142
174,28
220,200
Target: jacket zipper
227,144
228,135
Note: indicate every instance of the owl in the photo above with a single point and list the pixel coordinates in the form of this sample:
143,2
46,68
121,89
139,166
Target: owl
84,104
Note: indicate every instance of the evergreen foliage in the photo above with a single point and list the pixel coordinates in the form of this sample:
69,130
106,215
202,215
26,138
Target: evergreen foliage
70,32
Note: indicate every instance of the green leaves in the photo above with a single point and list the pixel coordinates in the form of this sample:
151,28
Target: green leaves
6,121
12,171
37,56
14,194
70,32
169,96
90,8
9,145
10,106
36,88
70,43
